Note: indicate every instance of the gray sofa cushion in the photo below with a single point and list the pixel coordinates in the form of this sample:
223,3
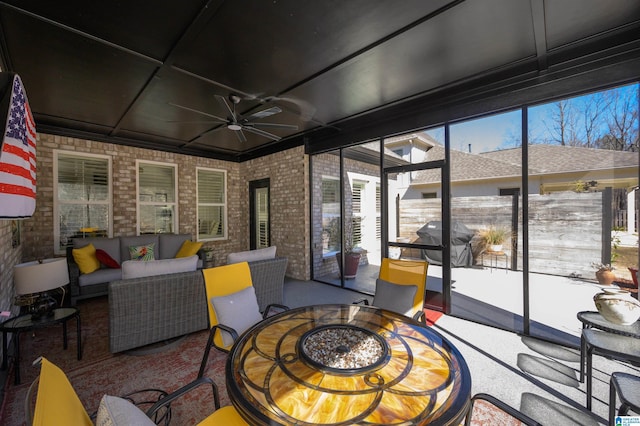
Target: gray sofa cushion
252,255
137,268
140,240
170,245
110,245
100,276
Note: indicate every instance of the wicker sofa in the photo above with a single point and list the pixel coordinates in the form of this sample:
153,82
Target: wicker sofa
83,286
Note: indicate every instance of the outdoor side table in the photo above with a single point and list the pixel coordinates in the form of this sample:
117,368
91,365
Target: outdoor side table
494,257
24,323
616,346
591,319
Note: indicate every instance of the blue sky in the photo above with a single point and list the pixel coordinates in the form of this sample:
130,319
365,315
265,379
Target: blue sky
498,131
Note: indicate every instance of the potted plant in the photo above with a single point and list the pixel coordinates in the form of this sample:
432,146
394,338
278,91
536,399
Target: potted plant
208,253
352,257
493,238
604,273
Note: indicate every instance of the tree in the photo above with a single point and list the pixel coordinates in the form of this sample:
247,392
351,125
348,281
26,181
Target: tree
606,120
622,121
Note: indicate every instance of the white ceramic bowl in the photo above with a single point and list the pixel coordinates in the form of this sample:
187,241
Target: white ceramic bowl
617,306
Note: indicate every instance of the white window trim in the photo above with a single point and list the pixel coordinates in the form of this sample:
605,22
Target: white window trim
175,203
225,233
56,203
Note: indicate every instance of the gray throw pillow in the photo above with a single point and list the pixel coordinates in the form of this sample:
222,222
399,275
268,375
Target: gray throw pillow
395,297
237,310
114,411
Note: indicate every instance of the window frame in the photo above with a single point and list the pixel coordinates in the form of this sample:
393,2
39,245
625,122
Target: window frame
175,223
224,204
57,153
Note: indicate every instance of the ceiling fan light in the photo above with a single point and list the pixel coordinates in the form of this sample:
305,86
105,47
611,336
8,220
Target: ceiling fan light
234,126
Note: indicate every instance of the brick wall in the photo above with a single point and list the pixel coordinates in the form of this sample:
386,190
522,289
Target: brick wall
286,169
288,173
9,256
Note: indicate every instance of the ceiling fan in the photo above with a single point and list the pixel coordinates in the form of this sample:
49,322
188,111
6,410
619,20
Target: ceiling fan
239,123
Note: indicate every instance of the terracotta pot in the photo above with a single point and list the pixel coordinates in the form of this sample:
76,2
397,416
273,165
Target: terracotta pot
352,261
605,277
617,306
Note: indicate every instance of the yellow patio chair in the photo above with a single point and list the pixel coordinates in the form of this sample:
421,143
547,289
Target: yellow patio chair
57,403
401,287
233,306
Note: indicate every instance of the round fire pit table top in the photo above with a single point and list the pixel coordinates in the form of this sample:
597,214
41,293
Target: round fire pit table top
376,367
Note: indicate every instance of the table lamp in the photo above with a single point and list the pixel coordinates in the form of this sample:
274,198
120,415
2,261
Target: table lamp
33,280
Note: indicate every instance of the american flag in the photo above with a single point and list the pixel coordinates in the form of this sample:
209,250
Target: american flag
18,157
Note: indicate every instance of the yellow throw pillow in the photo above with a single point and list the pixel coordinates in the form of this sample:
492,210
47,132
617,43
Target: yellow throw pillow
189,248
86,259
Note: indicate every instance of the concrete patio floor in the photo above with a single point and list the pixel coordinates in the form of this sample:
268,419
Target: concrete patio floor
538,377
494,296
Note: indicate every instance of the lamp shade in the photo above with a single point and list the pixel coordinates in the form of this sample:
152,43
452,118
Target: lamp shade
39,276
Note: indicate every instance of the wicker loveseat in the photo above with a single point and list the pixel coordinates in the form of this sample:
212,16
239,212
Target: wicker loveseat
151,309
267,274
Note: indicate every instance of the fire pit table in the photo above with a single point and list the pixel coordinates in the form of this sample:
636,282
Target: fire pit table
346,364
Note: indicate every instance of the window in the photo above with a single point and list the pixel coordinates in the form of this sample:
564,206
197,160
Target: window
331,214
357,201
157,206
82,197
212,204
330,191
426,195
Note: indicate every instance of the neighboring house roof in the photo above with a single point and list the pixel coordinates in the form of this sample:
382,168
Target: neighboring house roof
543,159
466,167
564,159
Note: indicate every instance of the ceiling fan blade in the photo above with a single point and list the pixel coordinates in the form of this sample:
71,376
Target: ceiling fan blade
240,135
262,113
196,122
223,102
275,125
261,133
198,112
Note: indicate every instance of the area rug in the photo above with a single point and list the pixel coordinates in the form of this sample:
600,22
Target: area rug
167,366
431,317
100,372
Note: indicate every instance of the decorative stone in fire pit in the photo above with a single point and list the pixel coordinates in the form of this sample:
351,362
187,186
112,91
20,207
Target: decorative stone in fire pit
343,349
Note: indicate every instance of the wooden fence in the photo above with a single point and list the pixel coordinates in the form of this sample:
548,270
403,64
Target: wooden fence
565,228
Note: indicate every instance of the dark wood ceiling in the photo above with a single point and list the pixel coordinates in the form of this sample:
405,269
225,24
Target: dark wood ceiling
130,72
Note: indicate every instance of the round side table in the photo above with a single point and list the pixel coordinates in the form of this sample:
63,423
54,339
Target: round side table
24,323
